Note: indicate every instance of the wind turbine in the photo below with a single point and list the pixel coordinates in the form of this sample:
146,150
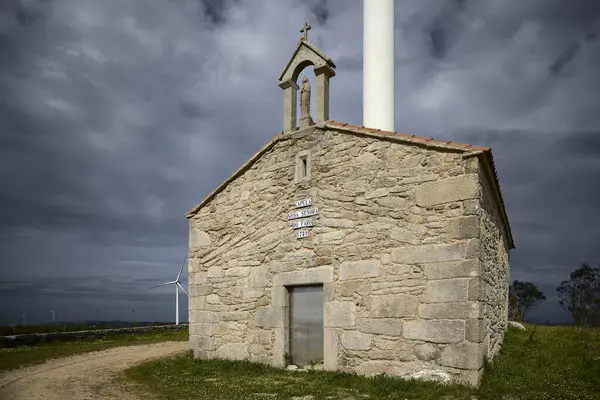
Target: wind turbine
177,284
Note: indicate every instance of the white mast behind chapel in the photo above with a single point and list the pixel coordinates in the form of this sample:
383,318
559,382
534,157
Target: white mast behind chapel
378,64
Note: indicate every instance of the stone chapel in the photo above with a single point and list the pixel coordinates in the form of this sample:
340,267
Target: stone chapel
365,250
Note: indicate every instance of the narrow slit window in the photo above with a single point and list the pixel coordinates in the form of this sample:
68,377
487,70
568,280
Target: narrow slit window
304,167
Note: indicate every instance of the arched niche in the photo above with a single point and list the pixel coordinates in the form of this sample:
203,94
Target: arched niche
305,55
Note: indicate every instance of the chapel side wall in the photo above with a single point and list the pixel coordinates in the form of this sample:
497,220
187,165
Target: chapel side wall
495,260
396,244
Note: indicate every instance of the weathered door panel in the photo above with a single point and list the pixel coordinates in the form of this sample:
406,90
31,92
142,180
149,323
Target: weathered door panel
306,324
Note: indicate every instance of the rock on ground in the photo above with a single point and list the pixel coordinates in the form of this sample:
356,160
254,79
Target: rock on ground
517,325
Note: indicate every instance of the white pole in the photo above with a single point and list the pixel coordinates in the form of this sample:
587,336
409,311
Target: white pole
378,64
176,305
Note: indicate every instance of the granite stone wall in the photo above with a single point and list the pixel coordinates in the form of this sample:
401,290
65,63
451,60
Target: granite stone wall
396,245
495,271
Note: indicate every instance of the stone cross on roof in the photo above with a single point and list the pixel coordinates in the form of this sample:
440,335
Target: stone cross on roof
305,30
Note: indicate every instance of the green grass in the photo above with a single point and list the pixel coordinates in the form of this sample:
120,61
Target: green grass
16,357
541,363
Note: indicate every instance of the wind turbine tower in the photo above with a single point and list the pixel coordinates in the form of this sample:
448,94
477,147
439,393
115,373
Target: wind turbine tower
378,64
177,284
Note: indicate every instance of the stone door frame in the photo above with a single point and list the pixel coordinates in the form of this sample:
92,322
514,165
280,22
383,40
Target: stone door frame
280,303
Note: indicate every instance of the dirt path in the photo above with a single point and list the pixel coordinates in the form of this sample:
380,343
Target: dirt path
85,376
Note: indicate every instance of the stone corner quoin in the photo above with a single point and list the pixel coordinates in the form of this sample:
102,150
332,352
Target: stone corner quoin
408,246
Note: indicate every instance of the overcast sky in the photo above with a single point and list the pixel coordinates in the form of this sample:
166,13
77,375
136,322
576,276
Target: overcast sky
118,116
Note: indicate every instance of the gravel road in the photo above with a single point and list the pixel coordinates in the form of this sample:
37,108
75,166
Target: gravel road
84,376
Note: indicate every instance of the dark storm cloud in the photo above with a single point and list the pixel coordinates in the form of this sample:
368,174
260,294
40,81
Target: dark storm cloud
117,117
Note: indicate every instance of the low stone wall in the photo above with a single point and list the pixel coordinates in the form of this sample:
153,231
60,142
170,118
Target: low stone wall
37,338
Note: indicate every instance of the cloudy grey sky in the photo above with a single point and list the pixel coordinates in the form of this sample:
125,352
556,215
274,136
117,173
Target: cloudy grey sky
117,116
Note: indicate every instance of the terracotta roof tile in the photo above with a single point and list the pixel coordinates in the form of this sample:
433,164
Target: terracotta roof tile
480,148
420,139
458,145
438,142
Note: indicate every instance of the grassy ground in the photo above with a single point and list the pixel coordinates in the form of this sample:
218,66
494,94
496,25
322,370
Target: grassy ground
12,358
541,363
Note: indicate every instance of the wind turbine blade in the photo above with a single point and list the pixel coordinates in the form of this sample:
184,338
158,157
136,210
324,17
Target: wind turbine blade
181,287
163,284
181,270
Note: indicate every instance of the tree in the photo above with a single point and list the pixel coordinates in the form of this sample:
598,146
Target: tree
580,296
523,297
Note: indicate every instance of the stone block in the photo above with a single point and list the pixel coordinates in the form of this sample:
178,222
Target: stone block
447,290
447,190
280,347
426,352
373,194
202,329
213,299
394,306
356,341
202,342
463,355
464,227
328,291
339,314
429,253
234,315
258,277
452,269
271,317
199,290
237,271
216,271
435,331
472,250
471,207
199,238
203,316
279,296
475,330
348,288
330,349
306,276
358,269
233,351
197,278
381,326
259,336
457,310
470,377
477,289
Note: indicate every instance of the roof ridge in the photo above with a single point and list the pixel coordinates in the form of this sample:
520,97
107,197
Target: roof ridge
409,137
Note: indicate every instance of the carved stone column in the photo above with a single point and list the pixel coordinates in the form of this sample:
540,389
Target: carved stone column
322,100
290,101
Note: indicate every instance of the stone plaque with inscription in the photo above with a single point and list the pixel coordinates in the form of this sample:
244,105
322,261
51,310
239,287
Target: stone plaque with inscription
301,234
303,203
307,212
302,223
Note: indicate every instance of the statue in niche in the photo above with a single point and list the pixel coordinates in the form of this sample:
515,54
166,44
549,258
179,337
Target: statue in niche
305,118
